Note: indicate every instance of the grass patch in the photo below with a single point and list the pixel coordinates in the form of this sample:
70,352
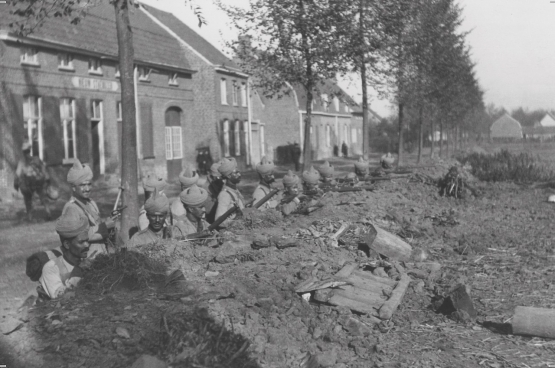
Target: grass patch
134,269
506,166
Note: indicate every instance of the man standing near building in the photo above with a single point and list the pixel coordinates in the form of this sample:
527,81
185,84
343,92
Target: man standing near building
80,178
193,200
296,151
63,273
229,195
265,170
187,179
151,183
157,208
31,177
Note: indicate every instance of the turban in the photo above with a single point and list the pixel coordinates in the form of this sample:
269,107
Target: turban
69,226
290,179
311,176
188,177
351,176
26,146
157,203
214,169
152,181
326,170
193,196
265,167
361,164
79,173
388,159
227,166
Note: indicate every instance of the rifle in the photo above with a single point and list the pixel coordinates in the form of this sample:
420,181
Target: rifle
350,189
266,198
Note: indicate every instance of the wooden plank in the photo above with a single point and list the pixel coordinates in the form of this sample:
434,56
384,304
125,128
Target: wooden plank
369,285
391,305
360,295
376,279
346,270
355,305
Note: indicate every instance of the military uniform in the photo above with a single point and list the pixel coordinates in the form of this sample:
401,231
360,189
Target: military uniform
262,191
143,220
186,227
226,199
75,207
144,237
57,277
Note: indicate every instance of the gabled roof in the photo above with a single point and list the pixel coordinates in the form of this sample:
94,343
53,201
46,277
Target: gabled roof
506,127
96,34
192,38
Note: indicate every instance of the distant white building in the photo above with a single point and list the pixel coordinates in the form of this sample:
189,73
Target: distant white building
548,120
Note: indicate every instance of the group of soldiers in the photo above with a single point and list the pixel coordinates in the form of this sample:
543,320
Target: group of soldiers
196,211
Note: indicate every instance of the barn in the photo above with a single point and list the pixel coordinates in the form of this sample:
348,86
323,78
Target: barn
506,128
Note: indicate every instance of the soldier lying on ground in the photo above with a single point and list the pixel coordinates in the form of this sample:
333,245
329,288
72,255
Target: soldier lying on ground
229,195
193,200
80,178
387,161
265,170
187,179
157,208
64,272
362,168
31,177
327,172
150,183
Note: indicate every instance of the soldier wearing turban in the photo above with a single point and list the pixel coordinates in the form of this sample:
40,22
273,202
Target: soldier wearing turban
187,179
229,195
150,183
62,273
265,170
157,208
214,184
362,167
311,178
326,175
193,200
80,178
387,161
291,184
31,177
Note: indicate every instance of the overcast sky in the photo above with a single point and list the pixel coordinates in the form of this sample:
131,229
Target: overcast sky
513,45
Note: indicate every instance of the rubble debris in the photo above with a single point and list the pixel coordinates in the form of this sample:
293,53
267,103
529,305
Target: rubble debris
387,244
391,305
458,305
530,321
148,361
233,249
312,284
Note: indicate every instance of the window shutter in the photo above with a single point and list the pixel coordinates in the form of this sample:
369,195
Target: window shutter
83,128
147,131
53,131
232,138
169,150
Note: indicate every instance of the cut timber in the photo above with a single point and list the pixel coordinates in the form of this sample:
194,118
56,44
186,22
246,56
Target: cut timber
532,321
329,296
346,270
388,244
390,306
368,284
360,295
376,279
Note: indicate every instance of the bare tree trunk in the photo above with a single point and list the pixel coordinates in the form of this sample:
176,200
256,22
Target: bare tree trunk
365,122
433,128
420,133
447,145
400,141
129,180
307,146
440,138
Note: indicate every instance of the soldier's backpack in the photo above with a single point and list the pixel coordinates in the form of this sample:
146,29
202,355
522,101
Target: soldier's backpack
36,262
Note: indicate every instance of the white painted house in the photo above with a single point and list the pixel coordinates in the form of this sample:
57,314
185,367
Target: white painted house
548,120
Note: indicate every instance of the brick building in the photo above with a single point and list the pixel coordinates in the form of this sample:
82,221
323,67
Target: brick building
60,88
335,120
221,93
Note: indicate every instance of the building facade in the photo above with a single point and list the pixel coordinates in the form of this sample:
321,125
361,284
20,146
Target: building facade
60,89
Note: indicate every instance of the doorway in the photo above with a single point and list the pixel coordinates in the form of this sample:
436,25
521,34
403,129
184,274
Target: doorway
174,142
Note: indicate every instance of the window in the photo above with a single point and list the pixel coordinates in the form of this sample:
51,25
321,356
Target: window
117,74
95,66
29,55
234,93
173,79
119,113
312,105
67,114
96,111
346,108
32,115
246,134
223,91
65,62
328,136
174,148
312,137
346,134
325,102
144,74
336,103
237,138
354,136
243,95
226,138
262,140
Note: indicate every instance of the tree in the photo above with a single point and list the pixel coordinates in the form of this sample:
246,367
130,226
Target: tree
34,12
285,42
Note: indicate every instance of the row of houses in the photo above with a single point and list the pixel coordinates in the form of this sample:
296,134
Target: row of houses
60,89
508,128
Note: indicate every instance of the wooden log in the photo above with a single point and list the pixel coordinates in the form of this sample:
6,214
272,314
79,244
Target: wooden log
388,244
346,270
391,305
329,296
360,295
369,285
374,278
532,321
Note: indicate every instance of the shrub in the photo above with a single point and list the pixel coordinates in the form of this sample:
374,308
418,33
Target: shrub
505,166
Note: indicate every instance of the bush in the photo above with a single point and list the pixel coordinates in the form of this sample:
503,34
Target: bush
505,166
